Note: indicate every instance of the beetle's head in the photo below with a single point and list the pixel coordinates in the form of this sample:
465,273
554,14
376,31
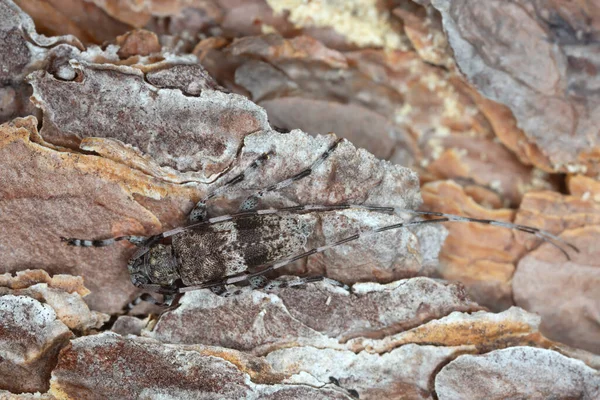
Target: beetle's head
157,266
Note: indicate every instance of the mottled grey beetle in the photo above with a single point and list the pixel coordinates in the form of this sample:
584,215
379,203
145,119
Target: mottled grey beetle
219,251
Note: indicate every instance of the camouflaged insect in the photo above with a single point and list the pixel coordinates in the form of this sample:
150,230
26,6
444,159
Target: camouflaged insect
213,252
243,247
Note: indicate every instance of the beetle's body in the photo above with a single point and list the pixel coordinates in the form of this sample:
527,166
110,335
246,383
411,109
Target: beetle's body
209,253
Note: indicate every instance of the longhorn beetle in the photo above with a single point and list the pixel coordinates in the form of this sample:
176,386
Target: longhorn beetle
242,247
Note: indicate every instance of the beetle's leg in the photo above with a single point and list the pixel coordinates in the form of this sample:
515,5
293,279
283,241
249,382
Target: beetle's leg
221,290
252,201
260,282
336,382
199,212
147,297
170,296
169,300
137,240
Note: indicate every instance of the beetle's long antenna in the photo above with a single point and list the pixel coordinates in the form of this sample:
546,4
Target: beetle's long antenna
545,236
137,240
